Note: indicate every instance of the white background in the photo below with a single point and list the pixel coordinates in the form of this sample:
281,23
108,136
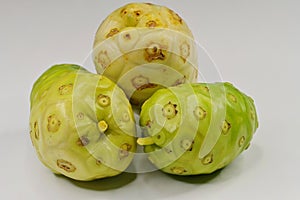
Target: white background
256,46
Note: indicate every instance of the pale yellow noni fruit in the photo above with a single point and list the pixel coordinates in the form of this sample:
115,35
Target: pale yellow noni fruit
144,47
81,124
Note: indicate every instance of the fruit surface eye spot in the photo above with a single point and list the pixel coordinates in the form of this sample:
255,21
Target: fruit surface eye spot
207,159
184,50
83,141
159,139
154,52
65,165
53,123
126,117
137,12
36,130
225,127
242,141
80,116
124,150
103,100
127,36
103,59
169,110
187,144
151,24
199,113
112,32
232,98
178,170
139,81
65,89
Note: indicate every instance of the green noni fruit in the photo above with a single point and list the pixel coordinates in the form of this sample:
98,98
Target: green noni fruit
144,47
82,124
197,128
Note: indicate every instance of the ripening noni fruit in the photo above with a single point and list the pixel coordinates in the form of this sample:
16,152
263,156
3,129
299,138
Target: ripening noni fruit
82,124
197,128
143,47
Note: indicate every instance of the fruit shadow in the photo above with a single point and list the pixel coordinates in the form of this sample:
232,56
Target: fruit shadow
196,179
103,184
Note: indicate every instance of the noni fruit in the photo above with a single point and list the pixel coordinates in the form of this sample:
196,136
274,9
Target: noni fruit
82,124
143,47
197,128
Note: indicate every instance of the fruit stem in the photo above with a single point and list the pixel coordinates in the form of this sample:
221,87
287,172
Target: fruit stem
145,141
102,125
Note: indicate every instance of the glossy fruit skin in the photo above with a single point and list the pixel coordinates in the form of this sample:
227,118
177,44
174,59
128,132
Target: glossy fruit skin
144,47
75,127
197,128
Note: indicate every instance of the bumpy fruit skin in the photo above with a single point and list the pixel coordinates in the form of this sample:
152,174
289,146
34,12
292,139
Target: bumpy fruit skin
82,124
197,128
144,47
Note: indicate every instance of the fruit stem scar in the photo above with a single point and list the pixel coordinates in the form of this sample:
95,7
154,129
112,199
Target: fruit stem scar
103,126
145,141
